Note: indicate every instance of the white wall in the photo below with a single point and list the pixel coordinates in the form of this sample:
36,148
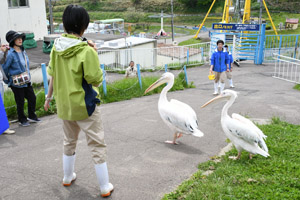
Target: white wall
32,18
142,54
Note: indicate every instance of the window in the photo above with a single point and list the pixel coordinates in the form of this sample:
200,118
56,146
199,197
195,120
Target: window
17,3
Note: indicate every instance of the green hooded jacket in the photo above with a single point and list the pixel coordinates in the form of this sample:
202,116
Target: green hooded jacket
75,69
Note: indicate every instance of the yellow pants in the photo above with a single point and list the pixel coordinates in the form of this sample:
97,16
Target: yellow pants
93,129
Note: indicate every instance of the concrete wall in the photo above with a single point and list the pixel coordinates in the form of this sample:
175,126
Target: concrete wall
32,18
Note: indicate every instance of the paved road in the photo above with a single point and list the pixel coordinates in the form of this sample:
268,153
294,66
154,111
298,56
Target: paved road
141,166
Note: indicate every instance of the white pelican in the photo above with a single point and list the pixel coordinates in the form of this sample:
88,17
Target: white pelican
241,131
180,117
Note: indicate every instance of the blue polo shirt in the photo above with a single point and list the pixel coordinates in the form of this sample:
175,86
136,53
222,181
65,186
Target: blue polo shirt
219,59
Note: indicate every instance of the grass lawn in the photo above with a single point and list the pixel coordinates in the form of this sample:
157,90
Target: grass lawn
276,177
283,32
190,41
297,87
119,90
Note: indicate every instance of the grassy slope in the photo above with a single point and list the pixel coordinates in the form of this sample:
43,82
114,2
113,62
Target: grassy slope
276,177
297,87
189,41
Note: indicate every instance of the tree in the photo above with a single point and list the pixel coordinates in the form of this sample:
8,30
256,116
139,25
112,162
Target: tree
196,3
135,2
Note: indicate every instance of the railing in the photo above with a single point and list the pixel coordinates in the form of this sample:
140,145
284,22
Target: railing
155,58
287,45
243,46
286,68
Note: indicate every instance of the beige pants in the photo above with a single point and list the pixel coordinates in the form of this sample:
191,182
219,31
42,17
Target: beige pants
229,75
220,76
93,129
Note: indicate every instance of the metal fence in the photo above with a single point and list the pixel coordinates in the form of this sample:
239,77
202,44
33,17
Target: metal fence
155,58
287,45
243,46
286,68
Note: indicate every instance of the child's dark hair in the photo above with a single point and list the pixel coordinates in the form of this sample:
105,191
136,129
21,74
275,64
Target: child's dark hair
226,46
220,41
75,19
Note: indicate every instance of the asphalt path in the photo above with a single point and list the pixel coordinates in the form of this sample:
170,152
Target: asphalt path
141,165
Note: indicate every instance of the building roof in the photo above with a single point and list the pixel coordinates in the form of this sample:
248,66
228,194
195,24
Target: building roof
107,21
103,37
125,42
292,20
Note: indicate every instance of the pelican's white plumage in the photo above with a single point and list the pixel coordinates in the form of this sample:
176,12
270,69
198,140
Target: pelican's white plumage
180,117
243,133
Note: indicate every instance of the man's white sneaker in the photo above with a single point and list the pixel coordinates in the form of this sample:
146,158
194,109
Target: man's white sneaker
9,132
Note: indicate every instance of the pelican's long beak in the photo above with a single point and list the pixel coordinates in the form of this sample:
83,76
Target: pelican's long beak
212,100
156,84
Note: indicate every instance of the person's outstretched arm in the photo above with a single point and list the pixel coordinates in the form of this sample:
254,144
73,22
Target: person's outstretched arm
49,95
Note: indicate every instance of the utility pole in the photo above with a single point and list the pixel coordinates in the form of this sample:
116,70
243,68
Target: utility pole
260,12
51,17
172,21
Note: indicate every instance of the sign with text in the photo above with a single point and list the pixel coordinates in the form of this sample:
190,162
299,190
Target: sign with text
235,27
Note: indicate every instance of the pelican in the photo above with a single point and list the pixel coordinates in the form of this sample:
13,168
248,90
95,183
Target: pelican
180,117
243,133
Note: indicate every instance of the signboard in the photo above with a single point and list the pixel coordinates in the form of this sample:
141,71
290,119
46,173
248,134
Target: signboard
235,27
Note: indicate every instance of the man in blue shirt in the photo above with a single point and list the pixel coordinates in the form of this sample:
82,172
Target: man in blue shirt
219,64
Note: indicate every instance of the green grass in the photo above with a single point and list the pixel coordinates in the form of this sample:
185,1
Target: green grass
11,110
297,87
189,41
276,177
126,89
120,90
155,29
284,32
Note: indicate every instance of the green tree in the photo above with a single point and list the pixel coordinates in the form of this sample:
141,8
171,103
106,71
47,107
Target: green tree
196,3
135,2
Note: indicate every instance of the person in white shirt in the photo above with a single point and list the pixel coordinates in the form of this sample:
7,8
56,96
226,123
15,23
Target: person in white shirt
131,71
3,50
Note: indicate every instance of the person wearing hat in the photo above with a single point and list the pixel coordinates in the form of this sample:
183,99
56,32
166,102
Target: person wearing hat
16,69
3,51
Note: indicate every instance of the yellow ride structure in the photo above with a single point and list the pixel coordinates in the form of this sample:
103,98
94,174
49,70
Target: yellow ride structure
228,6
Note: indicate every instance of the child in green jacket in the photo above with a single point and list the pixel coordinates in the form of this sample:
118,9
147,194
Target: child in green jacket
75,75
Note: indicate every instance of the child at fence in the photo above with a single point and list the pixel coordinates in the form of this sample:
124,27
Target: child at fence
3,51
229,73
131,70
75,75
219,64
16,69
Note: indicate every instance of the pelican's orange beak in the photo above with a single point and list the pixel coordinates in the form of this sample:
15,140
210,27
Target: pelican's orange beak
212,100
156,84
